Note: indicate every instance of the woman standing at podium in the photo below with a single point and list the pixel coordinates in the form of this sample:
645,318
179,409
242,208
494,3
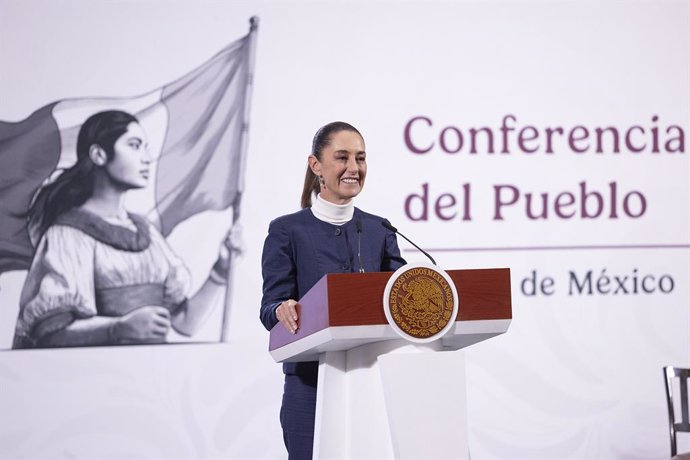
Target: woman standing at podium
329,235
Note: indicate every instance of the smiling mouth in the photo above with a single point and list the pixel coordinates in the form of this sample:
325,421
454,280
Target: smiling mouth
144,174
350,180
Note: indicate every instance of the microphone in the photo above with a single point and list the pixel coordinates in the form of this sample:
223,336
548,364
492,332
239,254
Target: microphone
358,228
386,223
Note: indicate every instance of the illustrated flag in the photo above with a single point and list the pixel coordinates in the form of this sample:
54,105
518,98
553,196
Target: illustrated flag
196,127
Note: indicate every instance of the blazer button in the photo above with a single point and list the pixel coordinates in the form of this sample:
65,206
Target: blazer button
338,232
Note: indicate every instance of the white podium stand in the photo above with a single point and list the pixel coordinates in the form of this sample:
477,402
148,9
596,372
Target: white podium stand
380,396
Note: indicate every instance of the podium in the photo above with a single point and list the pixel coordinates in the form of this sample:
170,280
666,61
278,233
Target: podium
380,395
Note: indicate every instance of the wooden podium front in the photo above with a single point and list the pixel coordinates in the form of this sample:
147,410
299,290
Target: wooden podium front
379,395
343,311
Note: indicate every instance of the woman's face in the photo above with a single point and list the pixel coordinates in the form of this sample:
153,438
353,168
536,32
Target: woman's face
129,167
343,167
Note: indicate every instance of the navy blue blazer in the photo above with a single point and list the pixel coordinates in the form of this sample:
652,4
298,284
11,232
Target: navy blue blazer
300,249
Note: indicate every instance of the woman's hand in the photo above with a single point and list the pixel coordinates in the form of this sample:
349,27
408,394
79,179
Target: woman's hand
150,323
288,315
232,244
233,240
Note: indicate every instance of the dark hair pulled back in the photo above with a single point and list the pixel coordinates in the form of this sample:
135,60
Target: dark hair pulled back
322,139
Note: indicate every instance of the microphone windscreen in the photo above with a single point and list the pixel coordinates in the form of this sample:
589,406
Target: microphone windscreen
358,226
386,223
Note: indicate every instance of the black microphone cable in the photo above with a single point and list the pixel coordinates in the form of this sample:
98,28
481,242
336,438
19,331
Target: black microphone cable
386,223
358,228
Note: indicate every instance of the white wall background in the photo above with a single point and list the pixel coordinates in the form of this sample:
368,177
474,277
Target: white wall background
575,377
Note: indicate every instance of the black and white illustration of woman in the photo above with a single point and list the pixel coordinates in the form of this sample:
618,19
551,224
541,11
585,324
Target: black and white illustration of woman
101,275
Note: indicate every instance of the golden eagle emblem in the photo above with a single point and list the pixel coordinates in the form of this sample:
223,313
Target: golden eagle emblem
421,302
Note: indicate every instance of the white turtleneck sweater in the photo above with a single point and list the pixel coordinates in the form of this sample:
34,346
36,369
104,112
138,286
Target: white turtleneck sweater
336,214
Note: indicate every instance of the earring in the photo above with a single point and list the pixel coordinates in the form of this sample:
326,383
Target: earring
321,181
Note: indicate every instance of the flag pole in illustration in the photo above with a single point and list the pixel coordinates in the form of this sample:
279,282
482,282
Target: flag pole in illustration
244,142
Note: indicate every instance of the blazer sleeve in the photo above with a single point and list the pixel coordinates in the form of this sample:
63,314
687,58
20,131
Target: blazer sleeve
392,260
279,272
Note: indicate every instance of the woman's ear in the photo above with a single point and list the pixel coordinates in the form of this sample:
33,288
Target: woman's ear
98,155
314,165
